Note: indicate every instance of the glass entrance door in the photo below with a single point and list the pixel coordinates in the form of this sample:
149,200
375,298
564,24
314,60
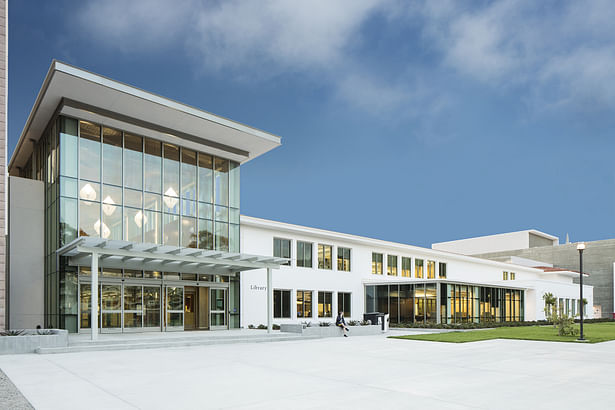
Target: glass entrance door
111,306
174,318
217,309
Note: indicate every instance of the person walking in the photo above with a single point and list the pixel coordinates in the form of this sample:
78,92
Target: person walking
339,321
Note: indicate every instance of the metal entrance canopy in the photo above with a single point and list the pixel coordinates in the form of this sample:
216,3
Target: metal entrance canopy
148,256
95,252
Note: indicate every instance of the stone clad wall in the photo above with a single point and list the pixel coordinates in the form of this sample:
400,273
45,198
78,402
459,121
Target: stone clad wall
3,160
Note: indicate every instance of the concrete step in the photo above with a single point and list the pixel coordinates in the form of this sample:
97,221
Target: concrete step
158,337
158,344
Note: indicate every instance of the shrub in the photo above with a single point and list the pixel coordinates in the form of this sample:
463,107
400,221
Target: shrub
276,327
325,324
365,322
354,323
262,327
251,327
12,332
565,325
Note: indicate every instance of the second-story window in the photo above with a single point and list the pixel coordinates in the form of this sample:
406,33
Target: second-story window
392,265
504,275
281,249
406,266
418,268
343,259
431,269
325,256
442,270
376,263
304,254
512,275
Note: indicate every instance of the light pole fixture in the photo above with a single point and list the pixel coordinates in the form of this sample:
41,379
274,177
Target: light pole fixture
581,248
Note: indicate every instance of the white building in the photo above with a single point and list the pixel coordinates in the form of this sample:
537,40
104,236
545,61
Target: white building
331,272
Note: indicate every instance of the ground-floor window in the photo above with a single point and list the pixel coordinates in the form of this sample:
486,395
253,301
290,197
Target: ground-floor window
304,303
343,303
281,304
325,304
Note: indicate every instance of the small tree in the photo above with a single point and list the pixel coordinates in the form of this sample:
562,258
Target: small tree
550,312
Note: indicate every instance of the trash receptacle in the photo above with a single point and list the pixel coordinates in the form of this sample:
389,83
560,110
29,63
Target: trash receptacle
372,317
385,323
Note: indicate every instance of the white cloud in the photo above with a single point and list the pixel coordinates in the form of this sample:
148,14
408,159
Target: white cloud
553,54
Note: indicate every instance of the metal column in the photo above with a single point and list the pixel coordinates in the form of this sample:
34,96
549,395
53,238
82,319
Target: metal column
94,297
269,301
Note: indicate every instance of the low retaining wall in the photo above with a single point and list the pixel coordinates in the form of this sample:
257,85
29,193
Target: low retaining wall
331,331
31,340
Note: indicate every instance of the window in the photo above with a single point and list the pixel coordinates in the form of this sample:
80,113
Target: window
281,249
281,304
418,268
406,266
431,269
512,275
325,256
392,265
442,270
343,303
304,254
325,304
376,263
304,303
504,275
343,259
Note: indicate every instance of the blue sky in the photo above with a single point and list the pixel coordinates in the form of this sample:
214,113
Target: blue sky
414,122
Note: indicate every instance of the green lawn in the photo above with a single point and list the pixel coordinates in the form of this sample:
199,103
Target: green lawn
594,333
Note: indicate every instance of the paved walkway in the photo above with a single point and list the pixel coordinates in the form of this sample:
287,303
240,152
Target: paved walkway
361,372
10,397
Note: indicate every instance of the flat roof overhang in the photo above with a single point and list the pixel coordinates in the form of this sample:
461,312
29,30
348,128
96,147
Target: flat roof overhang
76,92
116,254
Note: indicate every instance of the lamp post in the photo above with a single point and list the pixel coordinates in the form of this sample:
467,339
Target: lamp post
581,248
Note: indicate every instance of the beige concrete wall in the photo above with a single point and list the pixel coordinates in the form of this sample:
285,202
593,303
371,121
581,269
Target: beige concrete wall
3,159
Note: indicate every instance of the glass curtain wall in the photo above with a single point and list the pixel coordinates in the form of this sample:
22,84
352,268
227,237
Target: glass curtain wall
112,184
419,303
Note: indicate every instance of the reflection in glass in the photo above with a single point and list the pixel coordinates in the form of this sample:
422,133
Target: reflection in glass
133,161
112,156
205,211
89,151
133,198
221,213
85,303
233,238
221,181
418,268
206,234
89,217
134,220
68,220
205,178
152,166
188,174
304,303
152,224
151,300
152,202
112,219
189,232
111,195
221,236
68,147
188,207
68,187
89,191
171,229
171,173
234,185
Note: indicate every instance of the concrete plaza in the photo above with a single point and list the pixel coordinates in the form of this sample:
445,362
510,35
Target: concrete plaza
361,372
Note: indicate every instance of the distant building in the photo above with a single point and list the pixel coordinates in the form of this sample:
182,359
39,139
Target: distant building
541,248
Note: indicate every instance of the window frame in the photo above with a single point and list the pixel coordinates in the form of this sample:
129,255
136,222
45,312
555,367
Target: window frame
321,263
290,246
341,308
282,293
419,274
392,267
377,265
301,256
324,294
440,265
343,259
303,303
